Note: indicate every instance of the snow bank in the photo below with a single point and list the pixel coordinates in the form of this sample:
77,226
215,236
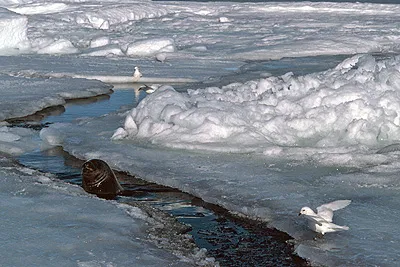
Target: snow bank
13,32
355,104
24,96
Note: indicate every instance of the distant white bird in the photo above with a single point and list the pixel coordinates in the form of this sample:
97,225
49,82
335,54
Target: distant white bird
149,89
161,57
137,74
321,222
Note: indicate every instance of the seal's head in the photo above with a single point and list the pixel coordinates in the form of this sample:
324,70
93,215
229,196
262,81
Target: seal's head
99,179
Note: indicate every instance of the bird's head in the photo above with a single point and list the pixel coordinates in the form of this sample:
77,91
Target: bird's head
306,211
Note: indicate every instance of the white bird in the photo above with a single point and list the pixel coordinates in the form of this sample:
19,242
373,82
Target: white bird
136,74
149,89
321,222
161,57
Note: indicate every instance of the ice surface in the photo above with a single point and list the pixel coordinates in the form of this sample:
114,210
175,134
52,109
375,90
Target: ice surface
15,141
24,96
47,223
178,69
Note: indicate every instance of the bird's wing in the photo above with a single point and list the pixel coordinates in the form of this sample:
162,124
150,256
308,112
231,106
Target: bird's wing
325,213
326,210
336,205
316,218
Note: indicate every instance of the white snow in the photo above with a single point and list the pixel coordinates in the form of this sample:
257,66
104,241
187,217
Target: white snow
13,34
262,148
230,31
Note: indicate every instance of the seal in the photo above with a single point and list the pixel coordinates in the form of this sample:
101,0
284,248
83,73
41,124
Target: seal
99,179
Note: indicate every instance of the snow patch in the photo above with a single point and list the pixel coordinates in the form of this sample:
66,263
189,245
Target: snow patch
150,47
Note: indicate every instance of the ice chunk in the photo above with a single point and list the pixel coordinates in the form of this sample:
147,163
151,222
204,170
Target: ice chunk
61,46
16,141
51,136
104,51
99,41
13,31
6,136
150,47
120,133
223,19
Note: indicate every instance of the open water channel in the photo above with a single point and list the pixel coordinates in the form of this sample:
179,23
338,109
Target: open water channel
231,240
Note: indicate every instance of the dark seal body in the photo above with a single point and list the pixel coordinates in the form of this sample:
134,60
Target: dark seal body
99,179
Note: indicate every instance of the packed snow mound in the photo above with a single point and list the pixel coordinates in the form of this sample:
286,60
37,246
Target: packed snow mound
13,32
103,18
356,103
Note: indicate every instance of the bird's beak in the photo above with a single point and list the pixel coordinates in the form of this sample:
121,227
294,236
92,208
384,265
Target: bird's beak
299,213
